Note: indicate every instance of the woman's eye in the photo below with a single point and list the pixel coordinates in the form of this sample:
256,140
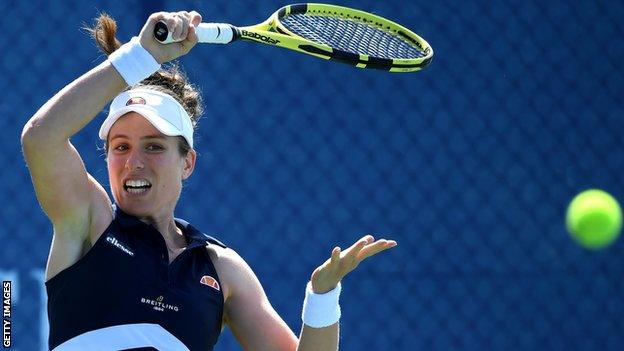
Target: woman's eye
121,147
154,147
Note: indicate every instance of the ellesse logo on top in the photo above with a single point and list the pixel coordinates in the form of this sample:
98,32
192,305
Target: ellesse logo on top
136,101
118,244
210,281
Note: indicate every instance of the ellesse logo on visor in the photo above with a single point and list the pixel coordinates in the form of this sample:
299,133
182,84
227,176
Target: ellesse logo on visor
136,101
210,281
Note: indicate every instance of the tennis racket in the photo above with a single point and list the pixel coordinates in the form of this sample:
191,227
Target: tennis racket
330,32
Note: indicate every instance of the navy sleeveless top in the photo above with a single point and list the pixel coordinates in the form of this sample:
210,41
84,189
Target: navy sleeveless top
123,294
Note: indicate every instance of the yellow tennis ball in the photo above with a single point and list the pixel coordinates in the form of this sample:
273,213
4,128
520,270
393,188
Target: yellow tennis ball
594,219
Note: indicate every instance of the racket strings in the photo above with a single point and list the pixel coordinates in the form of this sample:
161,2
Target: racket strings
352,36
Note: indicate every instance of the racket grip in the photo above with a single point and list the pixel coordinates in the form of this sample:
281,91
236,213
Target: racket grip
212,33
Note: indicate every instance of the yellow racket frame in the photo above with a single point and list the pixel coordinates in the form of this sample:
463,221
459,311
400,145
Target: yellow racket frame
273,32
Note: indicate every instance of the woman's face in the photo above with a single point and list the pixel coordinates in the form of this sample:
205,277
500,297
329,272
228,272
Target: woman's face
145,167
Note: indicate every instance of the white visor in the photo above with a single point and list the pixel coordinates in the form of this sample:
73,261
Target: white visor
160,109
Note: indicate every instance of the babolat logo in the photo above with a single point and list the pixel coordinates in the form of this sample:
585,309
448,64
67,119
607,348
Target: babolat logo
113,241
159,304
261,37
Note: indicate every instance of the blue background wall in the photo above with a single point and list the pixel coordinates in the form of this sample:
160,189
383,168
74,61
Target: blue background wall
469,165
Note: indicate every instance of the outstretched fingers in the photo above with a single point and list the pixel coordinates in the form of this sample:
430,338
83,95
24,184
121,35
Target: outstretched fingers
355,249
367,247
326,276
375,248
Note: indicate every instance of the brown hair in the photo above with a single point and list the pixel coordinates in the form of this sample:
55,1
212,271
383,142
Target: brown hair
170,80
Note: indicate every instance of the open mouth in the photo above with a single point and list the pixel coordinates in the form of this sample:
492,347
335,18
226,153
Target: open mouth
137,186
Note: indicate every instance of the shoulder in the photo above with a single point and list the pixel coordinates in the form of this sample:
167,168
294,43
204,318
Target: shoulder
227,261
232,269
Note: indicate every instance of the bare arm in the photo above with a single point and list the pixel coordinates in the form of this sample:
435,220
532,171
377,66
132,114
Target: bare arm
74,106
318,338
257,326
61,182
248,313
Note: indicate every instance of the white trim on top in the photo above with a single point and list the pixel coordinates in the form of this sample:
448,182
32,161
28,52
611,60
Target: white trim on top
121,337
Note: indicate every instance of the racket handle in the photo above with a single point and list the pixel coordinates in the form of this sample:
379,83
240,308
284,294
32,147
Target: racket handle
212,33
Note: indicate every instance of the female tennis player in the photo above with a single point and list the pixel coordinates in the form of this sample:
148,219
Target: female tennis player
128,274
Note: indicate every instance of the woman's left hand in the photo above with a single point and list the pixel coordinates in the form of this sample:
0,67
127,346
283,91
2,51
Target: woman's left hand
326,276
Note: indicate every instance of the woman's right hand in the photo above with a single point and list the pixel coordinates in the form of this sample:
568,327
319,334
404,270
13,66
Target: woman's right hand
182,26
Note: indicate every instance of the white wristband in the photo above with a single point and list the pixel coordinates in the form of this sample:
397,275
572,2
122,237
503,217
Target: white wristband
321,310
133,62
